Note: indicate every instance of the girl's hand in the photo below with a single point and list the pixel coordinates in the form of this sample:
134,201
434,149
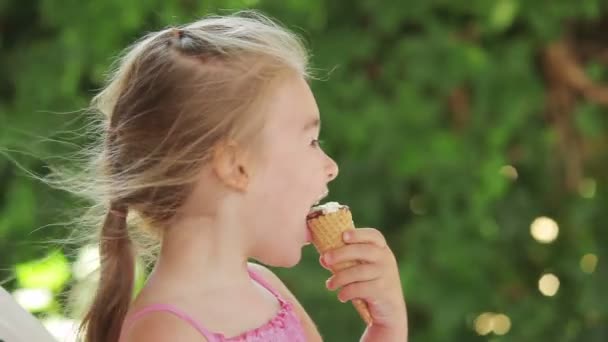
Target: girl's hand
375,280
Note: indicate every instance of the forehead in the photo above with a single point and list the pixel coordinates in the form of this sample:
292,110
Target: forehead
292,104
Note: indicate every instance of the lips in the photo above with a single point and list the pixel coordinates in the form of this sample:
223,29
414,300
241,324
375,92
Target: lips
310,215
308,236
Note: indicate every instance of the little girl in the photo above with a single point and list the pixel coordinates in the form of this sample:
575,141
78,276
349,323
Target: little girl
210,138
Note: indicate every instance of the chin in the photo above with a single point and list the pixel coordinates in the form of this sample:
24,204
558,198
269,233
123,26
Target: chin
281,257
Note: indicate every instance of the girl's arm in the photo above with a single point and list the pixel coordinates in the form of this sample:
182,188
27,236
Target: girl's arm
376,280
312,334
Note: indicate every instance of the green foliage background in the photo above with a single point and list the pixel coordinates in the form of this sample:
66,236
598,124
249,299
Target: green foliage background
424,104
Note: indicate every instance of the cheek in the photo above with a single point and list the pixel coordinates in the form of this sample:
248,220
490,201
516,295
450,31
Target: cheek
288,177
284,185
284,202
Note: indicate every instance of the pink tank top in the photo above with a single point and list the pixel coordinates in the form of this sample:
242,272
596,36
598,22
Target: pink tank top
284,326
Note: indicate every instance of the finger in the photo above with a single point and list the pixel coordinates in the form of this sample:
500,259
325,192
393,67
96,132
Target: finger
359,273
355,252
361,290
364,235
322,262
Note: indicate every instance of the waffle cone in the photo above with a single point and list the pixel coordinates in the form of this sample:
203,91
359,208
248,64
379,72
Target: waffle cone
326,230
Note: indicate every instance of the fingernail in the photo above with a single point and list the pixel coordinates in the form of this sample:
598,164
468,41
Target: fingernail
341,300
347,236
322,261
328,283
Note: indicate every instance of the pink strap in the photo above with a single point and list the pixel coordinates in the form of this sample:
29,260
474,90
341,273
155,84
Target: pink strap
210,336
172,309
260,280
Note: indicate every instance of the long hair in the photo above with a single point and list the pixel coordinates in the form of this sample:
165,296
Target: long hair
172,96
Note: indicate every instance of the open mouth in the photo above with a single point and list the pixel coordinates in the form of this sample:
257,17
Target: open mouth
313,212
325,194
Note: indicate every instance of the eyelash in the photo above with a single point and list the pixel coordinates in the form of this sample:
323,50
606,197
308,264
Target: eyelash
316,143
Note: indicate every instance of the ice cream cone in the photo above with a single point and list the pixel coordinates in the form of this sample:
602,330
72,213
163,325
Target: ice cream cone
327,223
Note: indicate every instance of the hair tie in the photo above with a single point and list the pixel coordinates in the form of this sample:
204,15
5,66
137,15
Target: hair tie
174,39
177,33
118,213
118,210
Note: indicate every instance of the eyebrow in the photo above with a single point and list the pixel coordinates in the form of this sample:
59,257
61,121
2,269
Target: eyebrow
314,123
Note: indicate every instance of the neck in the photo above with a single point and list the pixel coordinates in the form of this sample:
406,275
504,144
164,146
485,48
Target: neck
204,254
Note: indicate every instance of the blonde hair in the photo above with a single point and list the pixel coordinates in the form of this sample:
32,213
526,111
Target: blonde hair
172,97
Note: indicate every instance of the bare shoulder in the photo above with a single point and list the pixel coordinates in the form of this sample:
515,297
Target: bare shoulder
162,327
312,333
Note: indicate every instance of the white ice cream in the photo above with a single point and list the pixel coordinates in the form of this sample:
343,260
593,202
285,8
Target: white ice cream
329,207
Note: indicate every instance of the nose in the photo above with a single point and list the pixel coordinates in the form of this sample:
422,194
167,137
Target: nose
331,169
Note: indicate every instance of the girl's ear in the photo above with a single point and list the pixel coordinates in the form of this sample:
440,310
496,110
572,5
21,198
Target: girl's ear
231,166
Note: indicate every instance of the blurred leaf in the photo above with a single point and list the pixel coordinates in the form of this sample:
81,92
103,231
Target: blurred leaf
50,273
